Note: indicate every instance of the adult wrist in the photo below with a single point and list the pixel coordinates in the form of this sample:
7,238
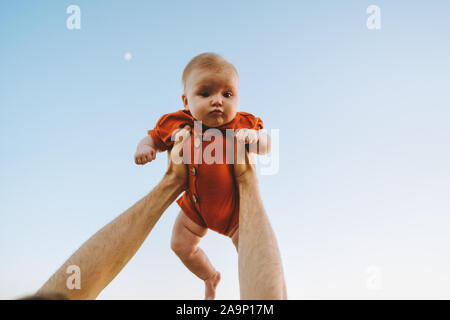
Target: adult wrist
247,176
175,180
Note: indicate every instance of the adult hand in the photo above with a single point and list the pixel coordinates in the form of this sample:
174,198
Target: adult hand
244,162
176,167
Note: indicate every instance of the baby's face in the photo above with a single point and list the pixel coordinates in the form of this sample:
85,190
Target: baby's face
212,97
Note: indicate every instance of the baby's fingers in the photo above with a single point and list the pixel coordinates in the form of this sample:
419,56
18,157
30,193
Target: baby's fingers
240,136
137,159
253,138
141,160
152,155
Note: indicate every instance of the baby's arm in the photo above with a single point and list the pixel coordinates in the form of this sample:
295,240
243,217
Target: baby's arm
264,142
256,139
145,151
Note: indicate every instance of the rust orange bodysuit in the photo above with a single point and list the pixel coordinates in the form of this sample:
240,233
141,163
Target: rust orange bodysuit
212,198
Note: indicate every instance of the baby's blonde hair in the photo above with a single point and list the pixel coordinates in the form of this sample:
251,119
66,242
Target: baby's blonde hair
207,60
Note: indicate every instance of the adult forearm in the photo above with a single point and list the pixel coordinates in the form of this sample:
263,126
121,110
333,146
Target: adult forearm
104,255
260,267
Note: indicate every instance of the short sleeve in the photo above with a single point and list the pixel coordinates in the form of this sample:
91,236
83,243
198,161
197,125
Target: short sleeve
249,121
166,126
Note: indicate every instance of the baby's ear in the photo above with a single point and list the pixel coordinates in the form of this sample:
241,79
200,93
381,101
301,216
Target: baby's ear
185,101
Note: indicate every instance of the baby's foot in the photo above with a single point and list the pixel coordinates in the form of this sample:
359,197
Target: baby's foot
210,286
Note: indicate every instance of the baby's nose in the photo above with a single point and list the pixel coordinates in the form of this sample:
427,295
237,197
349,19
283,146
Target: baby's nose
216,100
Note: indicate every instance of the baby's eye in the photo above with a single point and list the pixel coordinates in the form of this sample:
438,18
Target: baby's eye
227,94
204,94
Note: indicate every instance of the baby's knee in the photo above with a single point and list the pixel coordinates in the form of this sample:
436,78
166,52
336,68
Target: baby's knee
181,248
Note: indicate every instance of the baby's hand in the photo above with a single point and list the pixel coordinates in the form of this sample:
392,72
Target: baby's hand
144,154
247,136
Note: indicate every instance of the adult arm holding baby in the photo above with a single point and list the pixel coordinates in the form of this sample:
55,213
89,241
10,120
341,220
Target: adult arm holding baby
261,273
105,254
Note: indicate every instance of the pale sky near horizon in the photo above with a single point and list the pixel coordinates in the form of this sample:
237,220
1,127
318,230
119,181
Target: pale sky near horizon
360,203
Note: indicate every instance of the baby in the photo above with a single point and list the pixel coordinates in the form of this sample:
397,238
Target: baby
211,95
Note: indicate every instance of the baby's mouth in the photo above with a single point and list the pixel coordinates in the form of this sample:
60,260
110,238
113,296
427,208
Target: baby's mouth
217,111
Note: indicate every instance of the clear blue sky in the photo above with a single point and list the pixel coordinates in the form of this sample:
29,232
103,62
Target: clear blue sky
363,117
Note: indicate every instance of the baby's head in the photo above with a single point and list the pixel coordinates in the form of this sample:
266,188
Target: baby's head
211,89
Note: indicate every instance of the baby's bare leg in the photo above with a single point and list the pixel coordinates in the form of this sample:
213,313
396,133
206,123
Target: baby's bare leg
186,235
